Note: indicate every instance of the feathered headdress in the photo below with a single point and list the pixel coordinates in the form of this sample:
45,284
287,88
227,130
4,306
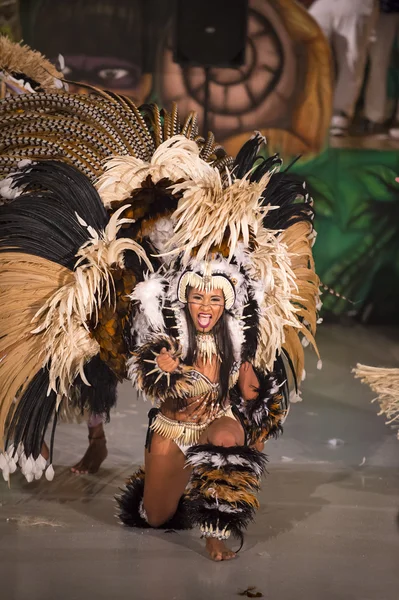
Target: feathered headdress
219,238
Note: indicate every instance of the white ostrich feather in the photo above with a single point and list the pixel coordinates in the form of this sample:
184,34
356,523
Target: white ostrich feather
149,294
63,319
209,209
176,158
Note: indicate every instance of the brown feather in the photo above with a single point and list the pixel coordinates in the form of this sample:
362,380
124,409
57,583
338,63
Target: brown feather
27,282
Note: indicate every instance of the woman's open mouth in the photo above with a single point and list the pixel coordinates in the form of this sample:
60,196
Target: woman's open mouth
204,320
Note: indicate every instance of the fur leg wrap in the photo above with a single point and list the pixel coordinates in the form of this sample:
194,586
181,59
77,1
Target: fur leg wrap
222,497
262,417
132,512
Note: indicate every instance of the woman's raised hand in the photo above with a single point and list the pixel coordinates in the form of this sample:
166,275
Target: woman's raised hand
166,362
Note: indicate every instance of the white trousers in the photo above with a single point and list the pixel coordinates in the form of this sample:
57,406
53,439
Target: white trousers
348,25
376,101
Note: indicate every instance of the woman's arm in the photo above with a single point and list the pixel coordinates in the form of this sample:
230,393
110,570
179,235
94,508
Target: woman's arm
248,382
260,401
155,369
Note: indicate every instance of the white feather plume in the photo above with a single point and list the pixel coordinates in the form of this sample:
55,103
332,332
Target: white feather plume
176,158
149,294
62,321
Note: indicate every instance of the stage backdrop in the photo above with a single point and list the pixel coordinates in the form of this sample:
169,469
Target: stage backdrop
284,90
357,247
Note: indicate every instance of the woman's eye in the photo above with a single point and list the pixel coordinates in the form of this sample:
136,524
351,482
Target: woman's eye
113,74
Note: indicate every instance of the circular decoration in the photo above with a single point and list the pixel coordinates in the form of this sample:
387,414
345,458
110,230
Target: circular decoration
264,54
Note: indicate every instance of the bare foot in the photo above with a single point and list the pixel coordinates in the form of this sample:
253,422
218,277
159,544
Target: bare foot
95,454
218,550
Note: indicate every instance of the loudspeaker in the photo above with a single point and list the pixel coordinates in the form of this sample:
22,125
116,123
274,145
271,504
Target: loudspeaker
210,33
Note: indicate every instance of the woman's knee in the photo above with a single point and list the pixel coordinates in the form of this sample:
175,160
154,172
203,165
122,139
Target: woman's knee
157,518
223,437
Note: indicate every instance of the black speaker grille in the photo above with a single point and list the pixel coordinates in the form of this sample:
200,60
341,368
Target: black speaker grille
211,33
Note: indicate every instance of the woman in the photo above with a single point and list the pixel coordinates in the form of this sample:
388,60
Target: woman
209,416
206,327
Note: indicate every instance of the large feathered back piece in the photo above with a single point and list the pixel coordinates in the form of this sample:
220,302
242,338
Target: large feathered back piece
68,258
97,194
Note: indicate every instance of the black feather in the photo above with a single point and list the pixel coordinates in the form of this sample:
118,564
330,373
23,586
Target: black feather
247,155
129,506
264,166
290,194
32,415
280,371
101,395
284,189
42,220
251,320
35,409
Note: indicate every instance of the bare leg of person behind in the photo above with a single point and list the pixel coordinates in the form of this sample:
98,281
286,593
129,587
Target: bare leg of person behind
95,454
97,451
167,477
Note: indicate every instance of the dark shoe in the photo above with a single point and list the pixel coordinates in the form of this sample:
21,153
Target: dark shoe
371,128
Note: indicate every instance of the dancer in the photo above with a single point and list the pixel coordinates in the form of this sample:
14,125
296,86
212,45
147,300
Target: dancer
135,248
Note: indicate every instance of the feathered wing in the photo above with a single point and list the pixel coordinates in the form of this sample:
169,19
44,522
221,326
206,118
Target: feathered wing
27,283
290,222
61,258
385,383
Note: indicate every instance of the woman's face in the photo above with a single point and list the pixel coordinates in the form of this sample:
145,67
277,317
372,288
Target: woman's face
205,308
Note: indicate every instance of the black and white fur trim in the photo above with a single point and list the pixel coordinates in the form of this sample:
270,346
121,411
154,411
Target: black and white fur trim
131,511
263,417
221,457
156,384
161,289
223,487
